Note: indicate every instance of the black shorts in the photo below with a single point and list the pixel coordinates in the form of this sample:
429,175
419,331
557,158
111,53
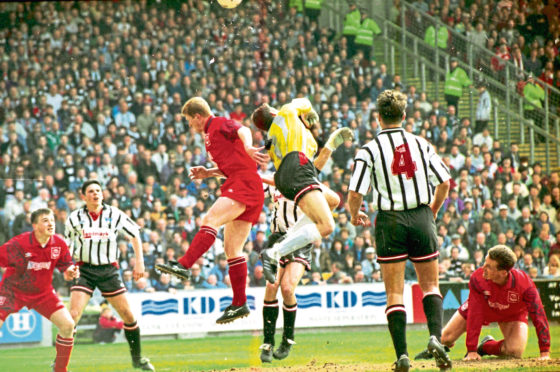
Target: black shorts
406,234
302,255
296,176
105,277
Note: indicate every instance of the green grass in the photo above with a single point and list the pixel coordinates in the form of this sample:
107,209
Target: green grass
227,352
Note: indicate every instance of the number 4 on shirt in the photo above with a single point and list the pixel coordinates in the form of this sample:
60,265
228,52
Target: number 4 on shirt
402,162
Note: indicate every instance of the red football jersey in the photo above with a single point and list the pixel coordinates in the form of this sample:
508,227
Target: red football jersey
489,302
29,266
226,149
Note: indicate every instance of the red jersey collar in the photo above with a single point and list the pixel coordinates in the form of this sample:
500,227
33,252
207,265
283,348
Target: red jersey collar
207,124
33,240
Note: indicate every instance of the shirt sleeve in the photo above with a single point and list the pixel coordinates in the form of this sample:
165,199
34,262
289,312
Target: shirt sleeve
69,232
437,170
361,176
477,308
65,260
11,255
538,316
229,129
128,226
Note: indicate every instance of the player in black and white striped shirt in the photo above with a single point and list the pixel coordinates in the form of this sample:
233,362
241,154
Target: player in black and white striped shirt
91,233
409,182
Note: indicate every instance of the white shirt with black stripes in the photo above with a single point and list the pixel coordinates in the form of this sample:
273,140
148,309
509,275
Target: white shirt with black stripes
285,213
95,241
402,169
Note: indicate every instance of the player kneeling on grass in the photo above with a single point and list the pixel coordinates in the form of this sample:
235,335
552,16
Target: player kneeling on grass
498,293
30,259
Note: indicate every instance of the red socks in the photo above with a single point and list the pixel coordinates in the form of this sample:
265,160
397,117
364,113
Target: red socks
63,350
238,278
493,347
201,243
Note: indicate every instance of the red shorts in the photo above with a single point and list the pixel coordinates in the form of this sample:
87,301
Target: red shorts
247,190
45,303
491,317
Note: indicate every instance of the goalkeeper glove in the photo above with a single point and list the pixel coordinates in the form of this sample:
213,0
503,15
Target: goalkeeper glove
312,118
338,137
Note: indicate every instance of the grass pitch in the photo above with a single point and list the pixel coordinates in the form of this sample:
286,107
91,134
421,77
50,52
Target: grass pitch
340,351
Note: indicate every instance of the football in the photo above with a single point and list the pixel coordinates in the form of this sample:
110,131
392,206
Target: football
229,4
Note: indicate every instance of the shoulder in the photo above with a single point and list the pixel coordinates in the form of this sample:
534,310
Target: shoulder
521,279
58,240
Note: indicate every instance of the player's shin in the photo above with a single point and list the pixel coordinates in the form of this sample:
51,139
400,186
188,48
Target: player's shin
270,316
396,317
433,308
289,312
63,350
201,242
238,276
132,334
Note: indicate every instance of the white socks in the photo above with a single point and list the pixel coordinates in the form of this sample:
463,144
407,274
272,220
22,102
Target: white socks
302,233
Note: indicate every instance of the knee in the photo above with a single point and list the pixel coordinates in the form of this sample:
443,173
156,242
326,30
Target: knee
326,228
333,200
76,314
67,328
446,338
287,290
207,220
512,351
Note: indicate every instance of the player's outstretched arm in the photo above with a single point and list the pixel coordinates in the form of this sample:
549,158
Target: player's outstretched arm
255,153
537,314
336,139
269,180
201,172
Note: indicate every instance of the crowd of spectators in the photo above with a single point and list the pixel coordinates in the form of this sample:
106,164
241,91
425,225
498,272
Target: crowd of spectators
94,90
525,33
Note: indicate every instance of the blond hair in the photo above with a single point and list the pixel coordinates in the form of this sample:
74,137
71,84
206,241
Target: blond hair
196,105
504,256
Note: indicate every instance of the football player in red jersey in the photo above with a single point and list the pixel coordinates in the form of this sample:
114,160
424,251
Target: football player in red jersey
30,259
499,293
229,145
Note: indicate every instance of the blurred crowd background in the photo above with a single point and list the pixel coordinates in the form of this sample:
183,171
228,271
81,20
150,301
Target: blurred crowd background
94,90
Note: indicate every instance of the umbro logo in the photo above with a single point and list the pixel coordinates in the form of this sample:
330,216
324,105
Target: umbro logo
28,254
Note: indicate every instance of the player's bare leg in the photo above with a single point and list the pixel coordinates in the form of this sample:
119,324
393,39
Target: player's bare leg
393,277
222,211
512,345
314,205
270,316
428,280
290,279
333,200
235,235
131,331
78,301
64,339
456,326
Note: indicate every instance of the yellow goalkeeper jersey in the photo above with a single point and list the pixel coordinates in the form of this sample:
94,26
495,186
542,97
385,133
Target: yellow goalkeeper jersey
287,132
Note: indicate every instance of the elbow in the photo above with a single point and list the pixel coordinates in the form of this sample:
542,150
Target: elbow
444,187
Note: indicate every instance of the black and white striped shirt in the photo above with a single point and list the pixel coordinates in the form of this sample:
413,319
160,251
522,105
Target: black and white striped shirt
285,213
95,242
404,169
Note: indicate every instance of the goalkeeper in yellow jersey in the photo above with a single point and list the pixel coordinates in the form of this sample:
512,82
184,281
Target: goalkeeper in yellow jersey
292,148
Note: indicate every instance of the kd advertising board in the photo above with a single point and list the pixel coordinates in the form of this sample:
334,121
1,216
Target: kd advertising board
195,312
